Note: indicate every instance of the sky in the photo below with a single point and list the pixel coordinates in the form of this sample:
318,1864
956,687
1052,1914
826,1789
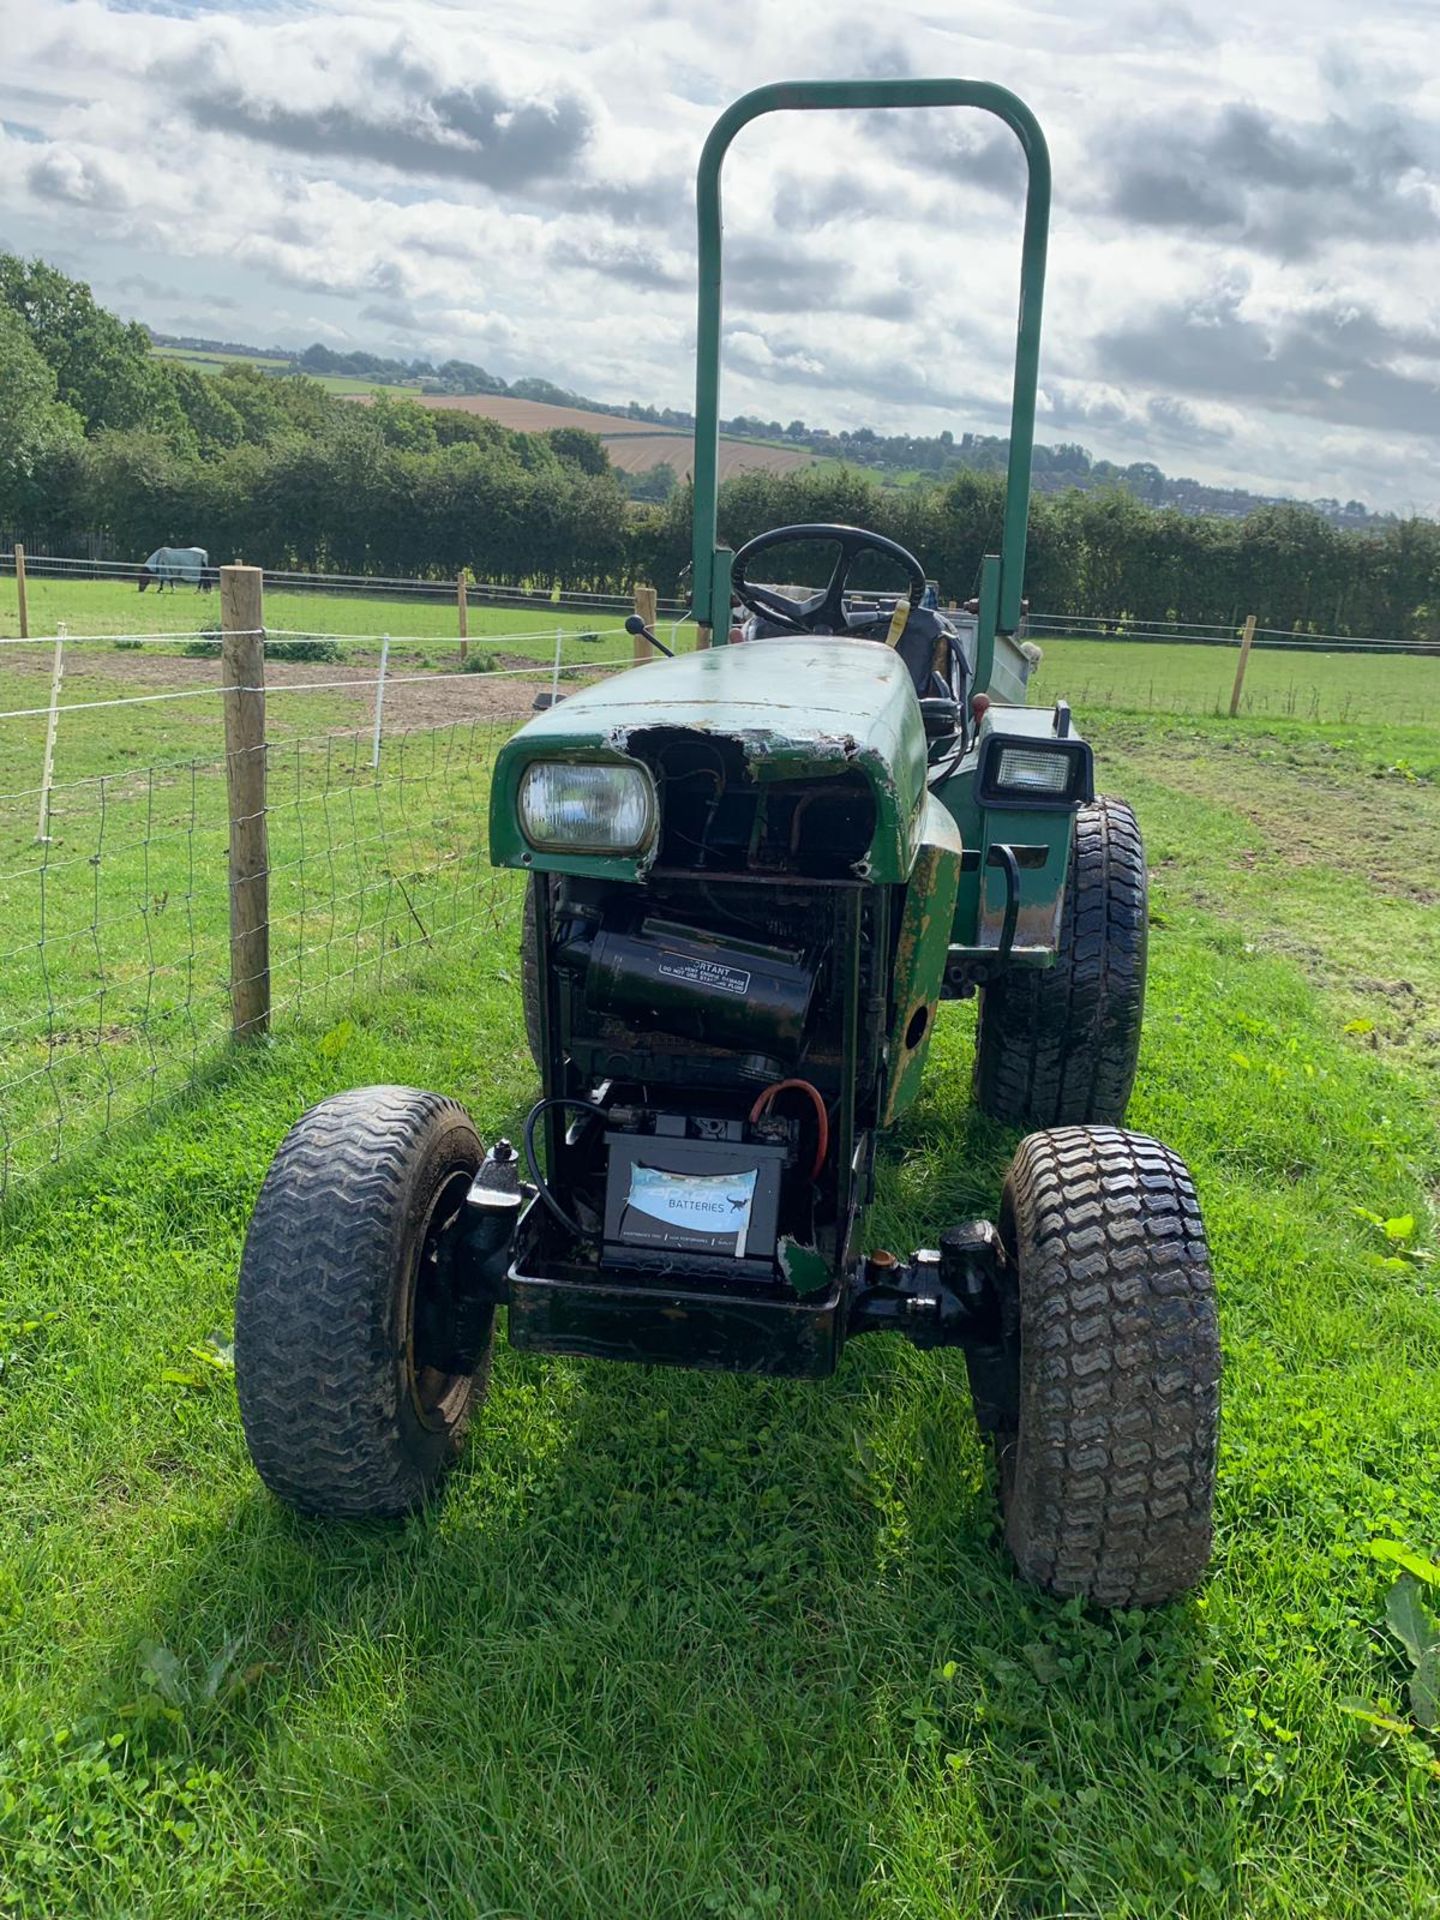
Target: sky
1243,274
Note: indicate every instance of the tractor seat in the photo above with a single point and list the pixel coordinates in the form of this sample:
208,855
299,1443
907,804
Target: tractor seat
919,646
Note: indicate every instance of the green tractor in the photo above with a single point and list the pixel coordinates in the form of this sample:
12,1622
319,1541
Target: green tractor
754,873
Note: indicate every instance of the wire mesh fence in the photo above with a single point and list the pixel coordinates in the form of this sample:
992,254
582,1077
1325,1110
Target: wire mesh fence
117,949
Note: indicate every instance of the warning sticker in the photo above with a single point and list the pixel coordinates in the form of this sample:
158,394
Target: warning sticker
704,973
711,1204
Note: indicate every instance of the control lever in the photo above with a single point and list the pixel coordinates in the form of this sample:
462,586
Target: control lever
635,625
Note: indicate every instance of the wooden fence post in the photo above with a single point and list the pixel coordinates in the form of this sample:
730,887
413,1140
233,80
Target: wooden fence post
242,673
462,607
1246,640
647,606
20,591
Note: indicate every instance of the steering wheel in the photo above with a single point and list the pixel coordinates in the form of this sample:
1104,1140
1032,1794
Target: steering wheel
823,612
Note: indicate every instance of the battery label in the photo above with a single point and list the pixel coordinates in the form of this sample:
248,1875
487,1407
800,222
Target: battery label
704,973
716,1205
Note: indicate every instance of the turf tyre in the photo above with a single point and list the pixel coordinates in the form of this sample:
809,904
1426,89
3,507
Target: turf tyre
1058,1046
343,1414
1108,1473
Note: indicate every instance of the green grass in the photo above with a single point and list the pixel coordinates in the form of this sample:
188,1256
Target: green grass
1155,677
115,607
682,1645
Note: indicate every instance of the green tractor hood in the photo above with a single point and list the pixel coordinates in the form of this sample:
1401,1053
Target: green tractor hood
799,709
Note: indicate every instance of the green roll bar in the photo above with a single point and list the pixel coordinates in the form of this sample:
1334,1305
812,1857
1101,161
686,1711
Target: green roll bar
1002,578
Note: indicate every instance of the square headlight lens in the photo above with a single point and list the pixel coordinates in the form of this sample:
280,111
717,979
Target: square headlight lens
582,807
1023,770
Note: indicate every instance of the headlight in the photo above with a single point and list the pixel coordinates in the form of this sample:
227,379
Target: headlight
1034,773
1023,770
582,807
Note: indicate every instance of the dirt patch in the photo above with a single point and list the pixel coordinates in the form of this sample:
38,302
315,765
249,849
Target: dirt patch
1325,813
1324,861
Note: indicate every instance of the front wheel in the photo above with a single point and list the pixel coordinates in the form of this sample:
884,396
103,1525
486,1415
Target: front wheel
356,1374
1107,1448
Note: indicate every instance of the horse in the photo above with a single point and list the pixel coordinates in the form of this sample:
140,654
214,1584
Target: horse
167,565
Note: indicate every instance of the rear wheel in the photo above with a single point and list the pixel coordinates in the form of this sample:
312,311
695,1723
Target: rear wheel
356,1378
1107,1447
1058,1046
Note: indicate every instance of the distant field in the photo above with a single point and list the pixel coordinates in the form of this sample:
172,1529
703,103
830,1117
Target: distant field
638,453
633,445
207,361
536,416
349,388
882,476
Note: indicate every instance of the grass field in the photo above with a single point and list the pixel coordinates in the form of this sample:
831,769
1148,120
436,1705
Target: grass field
1154,677
117,607
683,1645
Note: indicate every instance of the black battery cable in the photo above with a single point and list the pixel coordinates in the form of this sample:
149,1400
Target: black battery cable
532,1161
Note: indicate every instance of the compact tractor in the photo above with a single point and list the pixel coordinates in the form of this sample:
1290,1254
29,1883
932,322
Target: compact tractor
755,871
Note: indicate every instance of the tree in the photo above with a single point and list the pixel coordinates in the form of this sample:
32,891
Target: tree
35,427
655,483
270,406
1407,577
404,423
103,368
463,376
213,420
581,449
142,490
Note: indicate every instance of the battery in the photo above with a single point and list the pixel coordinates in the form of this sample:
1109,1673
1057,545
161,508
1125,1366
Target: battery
672,1198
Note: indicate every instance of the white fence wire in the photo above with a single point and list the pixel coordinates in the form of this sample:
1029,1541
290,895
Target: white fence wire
119,987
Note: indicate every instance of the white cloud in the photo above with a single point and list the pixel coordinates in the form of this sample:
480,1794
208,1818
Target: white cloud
515,186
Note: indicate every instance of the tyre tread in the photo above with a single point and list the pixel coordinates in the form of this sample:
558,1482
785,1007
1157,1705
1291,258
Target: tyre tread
1110,1478
315,1353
